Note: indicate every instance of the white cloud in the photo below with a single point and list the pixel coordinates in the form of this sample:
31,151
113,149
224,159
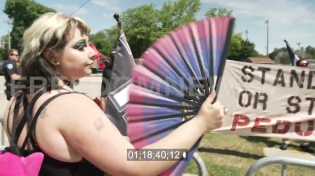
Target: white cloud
281,12
108,4
70,9
102,3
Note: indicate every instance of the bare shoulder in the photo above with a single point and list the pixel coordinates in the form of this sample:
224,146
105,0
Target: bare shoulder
66,102
70,113
65,97
73,100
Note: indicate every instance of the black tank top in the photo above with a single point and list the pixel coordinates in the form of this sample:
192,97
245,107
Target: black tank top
50,166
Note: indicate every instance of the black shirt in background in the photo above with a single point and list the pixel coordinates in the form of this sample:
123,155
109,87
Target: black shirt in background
9,67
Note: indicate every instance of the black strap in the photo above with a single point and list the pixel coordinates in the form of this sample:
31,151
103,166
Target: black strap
15,119
28,109
24,119
16,130
31,106
40,109
22,123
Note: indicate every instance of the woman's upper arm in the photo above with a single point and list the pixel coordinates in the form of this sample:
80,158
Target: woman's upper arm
87,129
7,113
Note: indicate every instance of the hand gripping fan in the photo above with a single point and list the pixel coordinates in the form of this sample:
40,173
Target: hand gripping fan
174,77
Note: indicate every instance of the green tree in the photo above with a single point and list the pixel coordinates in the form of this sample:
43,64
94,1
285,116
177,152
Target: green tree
276,52
145,24
214,12
311,51
5,40
23,13
105,40
175,14
185,11
241,49
3,54
3,50
139,25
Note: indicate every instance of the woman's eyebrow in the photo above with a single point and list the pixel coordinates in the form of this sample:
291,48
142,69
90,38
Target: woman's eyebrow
79,42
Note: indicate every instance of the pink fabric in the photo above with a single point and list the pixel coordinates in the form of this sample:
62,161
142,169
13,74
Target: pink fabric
13,165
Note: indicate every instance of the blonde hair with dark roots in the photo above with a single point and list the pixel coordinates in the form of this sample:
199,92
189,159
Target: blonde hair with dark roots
50,31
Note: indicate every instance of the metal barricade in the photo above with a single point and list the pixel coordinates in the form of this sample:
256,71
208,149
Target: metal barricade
200,164
284,161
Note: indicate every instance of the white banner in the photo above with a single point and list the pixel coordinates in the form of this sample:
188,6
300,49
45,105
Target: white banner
268,100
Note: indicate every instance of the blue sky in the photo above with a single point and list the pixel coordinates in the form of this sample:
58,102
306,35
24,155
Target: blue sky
293,20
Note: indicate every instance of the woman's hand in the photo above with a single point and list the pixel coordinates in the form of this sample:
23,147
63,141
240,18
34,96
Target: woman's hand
210,115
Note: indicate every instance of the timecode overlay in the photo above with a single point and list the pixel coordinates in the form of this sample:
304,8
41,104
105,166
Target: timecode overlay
157,154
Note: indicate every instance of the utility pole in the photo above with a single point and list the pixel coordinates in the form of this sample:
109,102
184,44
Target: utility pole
246,32
3,43
267,22
299,46
9,22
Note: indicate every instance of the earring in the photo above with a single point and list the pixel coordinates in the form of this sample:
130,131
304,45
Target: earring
56,62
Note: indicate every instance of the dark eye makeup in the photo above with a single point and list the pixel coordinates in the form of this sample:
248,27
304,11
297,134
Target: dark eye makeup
80,44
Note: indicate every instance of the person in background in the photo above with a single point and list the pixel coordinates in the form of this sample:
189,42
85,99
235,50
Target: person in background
106,76
304,145
10,72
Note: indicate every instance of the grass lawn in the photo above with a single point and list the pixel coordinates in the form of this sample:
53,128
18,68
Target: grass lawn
230,155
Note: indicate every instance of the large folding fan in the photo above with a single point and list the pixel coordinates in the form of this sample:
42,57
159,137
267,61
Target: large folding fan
174,77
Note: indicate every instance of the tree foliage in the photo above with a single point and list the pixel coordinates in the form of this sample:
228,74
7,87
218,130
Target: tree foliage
241,49
4,49
142,25
311,51
276,52
215,12
23,13
105,40
281,55
145,24
3,54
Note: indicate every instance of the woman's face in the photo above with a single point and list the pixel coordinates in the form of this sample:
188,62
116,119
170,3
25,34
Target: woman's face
75,61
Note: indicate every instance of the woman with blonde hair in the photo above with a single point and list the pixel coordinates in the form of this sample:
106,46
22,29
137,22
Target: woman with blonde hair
74,134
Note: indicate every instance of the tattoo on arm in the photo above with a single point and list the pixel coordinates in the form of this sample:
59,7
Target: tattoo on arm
98,124
44,114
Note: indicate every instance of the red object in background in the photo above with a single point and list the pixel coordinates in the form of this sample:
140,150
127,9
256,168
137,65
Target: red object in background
97,101
101,61
101,58
303,63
